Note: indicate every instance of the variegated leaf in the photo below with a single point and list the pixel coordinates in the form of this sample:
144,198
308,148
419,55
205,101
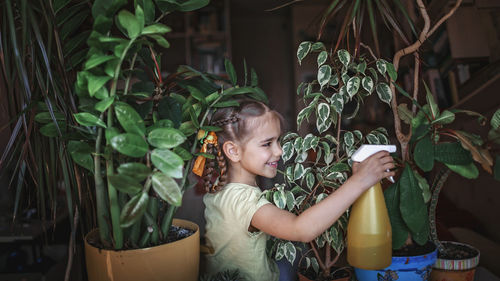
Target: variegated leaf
299,200
290,200
334,80
381,66
279,199
323,125
288,150
289,173
372,139
353,86
310,180
367,83
290,252
357,134
384,93
349,139
301,157
322,57
337,102
298,171
345,77
320,197
324,74
344,57
303,50
323,111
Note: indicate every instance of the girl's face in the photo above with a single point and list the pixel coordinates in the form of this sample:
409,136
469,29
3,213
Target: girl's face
261,150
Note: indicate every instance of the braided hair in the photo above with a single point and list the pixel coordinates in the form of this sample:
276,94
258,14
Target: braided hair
235,127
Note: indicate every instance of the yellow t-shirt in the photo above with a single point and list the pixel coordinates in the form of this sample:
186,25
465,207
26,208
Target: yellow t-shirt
228,214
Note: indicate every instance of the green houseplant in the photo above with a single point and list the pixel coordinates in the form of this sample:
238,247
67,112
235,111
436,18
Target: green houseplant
319,161
132,129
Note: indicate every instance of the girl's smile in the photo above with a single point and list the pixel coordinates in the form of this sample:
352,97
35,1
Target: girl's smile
260,152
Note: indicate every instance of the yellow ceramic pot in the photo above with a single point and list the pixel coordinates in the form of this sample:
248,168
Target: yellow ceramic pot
176,261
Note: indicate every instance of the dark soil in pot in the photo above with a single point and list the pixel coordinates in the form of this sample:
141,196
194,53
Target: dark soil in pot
175,233
336,273
414,250
457,252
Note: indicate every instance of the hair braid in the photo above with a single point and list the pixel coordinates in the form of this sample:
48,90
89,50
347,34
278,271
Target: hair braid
221,161
209,169
229,120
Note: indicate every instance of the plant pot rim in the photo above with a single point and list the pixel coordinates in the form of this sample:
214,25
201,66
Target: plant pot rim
462,264
178,222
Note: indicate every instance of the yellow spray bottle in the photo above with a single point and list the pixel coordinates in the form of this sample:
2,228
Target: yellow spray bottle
369,233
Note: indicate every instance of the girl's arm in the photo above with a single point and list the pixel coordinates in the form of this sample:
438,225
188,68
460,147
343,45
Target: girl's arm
316,219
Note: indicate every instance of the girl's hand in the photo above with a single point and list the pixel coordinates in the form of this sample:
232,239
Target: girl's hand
373,169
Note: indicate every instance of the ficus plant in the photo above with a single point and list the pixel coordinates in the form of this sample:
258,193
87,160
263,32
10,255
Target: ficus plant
137,130
318,163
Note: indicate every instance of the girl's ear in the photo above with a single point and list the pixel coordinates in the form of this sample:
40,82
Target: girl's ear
232,151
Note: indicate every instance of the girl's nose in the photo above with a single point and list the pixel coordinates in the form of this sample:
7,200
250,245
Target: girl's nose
278,151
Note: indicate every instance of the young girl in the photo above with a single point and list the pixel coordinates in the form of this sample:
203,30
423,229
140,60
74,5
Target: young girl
238,219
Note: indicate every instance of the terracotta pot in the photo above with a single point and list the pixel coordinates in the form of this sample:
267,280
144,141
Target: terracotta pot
455,270
176,261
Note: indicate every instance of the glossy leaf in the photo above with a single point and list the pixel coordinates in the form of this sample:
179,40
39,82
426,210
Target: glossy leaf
134,210
353,86
130,144
96,60
349,139
303,50
322,57
381,66
94,83
88,119
290,252
160,40
138,171
337,102
166,137
344,57
129,119
168,162
452,153
288,150
298,171
384,92
279,199
125,184
324,74
104,104
367,83
81,153
167,188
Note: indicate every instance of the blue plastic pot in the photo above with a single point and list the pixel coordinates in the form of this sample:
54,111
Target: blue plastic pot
413,268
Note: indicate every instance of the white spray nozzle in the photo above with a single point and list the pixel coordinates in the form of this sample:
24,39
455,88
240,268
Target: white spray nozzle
367,150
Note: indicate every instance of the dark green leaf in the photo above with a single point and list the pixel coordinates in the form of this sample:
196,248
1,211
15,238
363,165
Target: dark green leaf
88,119
44,117
129,119
183,153
166,137
452,153
96,60
168,162
157,28
130,144
138,171
125,184
134,210
167,188
424,154
170,108
468,171
413,208
81,153
399,228
230,71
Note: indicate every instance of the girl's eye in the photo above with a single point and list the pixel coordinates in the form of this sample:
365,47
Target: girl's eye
267,144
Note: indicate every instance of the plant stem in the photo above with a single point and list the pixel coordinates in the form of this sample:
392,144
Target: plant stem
100,193
438,183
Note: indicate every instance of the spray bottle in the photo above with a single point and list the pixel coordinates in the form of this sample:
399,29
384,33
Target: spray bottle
369,233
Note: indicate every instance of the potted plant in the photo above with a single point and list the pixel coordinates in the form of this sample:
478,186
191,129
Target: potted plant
319,161
134,132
